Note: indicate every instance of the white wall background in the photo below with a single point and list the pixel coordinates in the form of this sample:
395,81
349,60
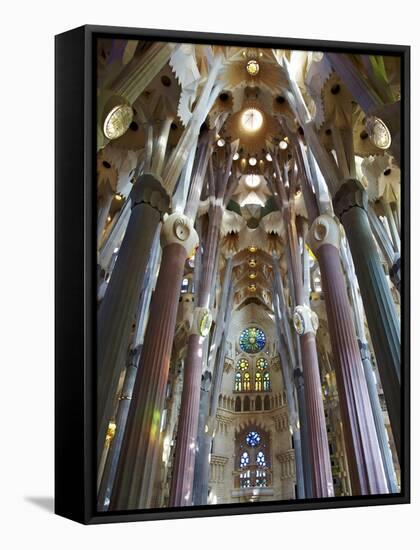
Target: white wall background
26,286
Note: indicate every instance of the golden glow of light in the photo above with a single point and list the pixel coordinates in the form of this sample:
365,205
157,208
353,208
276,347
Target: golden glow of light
253,67
252,248
118,197
283,145
252,120
252,275
252,180
108,218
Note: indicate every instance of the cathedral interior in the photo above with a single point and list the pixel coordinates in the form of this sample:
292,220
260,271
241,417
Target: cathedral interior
248,274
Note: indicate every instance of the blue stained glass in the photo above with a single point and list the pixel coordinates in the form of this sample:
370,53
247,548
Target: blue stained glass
244,459
253,439
252,340
261,459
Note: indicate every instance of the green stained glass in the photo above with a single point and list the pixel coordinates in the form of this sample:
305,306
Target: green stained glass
252,340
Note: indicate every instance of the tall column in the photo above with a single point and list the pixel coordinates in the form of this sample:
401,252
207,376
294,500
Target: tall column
364,458
215,370
291,403
350,204
108,477
116,313
306,323
140,451
183,470
378,418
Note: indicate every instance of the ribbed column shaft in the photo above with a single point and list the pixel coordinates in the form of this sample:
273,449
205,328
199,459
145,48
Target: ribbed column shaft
364,459
139,456
108,477
381,315
183,469
117,310
185,451
322,482
378,418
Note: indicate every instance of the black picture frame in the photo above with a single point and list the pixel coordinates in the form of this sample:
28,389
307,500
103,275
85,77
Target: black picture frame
75,280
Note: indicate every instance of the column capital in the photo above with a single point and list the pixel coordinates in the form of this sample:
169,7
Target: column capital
324,230
179,229
350,195
201,322
305,320
149,189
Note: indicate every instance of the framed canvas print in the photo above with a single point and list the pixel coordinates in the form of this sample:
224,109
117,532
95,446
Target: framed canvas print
232,274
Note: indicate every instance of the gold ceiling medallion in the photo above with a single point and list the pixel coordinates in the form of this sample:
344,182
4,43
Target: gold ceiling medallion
378,132
118,121
252,67
252,288
252,275
252,249
252,262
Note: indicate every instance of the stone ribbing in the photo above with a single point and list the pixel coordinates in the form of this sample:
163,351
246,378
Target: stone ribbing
364,459
181,491
384,327
139,455
117,310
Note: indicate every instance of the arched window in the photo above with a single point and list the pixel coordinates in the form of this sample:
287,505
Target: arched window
238,381
266,381
258,403
258,381
247,403
266,403
247,382
252,340
238,404
252,460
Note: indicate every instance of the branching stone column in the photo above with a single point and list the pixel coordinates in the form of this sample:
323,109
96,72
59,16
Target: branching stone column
183,471
350,204
140,451
306,324
116,314
124,401
364,458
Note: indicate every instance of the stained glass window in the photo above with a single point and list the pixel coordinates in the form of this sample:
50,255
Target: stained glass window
261,459
242,364
238,381
244,459
262,363
258,381
253,439
252,340
266,382
247,382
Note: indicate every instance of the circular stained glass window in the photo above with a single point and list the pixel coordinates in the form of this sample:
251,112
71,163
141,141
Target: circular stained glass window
252,340
262,363
253,439
242,364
